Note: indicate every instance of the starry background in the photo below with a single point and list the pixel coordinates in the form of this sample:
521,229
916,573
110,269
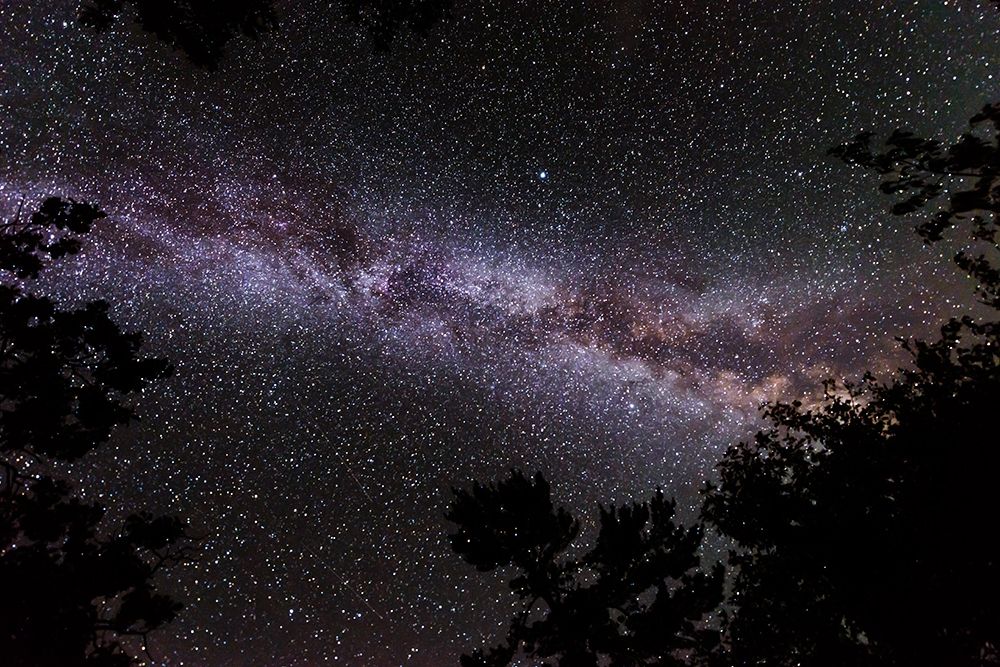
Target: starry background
587,238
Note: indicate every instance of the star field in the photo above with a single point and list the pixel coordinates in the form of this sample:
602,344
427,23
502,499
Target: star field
588,238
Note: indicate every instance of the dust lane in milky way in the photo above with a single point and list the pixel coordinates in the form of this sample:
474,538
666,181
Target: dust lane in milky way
589,238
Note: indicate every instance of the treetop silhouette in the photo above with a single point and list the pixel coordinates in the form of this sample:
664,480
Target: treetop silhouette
202,29
863,524
77,591
636,597
53,231
965,173
66,375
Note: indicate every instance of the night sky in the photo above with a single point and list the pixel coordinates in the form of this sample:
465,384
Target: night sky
588,238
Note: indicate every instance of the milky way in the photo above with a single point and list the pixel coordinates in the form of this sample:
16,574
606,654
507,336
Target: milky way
588,238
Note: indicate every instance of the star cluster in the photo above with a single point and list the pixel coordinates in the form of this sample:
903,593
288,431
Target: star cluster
586,238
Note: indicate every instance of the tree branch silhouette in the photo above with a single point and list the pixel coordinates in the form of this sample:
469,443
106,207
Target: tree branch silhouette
76,588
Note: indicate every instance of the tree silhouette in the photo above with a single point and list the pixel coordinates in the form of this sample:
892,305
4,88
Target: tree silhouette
201,29
386,19
966,173
637,597
75,589
865,524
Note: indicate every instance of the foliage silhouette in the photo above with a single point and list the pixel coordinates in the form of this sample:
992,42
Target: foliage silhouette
75,590
73,595
636,597
50,233
65,375
201,29
384,20
864,524
925,170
